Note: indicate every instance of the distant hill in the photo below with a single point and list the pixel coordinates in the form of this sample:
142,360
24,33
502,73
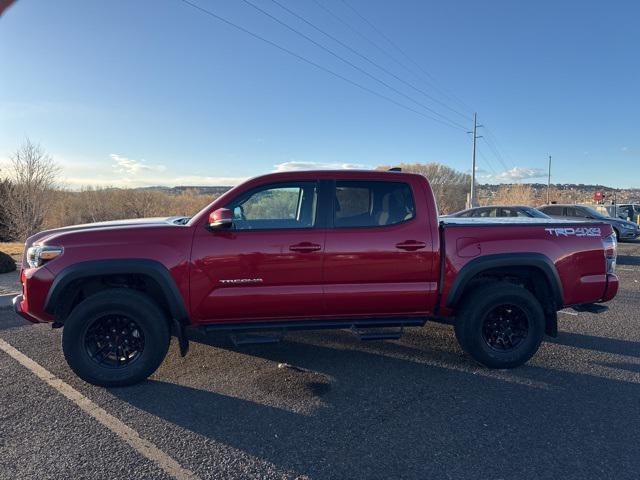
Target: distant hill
578,193
198,189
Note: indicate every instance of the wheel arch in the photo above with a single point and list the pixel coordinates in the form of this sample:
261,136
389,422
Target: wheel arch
84,278
534,270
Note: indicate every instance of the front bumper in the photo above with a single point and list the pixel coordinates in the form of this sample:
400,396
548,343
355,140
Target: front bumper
18,302
35,286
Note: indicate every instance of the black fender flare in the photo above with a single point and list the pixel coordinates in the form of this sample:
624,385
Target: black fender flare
502,260
140,266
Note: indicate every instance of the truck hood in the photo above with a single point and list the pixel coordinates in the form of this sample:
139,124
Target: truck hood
112,224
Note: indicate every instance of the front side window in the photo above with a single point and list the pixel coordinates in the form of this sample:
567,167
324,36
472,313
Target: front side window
276,207
372,204
513,212
489,212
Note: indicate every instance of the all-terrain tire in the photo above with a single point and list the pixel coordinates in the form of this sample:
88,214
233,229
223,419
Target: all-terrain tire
151,325
490,304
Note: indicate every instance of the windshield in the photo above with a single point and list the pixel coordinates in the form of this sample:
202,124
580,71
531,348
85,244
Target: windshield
534,212
594,213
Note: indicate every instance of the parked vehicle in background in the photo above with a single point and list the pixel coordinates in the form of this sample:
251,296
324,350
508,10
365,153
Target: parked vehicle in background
626,211
623,229
500,211
356,250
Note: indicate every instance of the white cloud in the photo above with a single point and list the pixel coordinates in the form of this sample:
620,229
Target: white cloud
520,173
293,166
133,167
127,182
625,149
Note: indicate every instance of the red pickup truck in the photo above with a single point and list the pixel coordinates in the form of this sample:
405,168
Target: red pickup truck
359,250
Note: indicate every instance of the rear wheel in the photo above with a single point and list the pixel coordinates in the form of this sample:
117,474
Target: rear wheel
115,338
500,325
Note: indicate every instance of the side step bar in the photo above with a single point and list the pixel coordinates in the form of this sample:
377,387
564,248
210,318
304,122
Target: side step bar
377,335
365,329
591,308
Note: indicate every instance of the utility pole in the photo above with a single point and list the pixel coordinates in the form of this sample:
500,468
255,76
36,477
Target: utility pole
549,180
472,196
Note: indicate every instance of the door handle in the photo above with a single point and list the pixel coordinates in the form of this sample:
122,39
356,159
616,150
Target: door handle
410,245
305,247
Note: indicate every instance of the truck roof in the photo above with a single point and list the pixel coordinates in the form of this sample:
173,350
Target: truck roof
346,174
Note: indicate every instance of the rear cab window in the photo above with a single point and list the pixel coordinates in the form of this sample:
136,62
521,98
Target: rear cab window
372,204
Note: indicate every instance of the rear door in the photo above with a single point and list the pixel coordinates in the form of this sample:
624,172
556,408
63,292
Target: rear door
379,257
268,265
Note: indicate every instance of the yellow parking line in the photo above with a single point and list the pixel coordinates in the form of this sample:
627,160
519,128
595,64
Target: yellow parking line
122,430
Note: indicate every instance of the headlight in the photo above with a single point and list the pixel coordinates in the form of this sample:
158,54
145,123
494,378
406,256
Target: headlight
36,256
628,227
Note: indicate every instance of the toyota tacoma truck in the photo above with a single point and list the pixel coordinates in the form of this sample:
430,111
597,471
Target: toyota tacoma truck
358,250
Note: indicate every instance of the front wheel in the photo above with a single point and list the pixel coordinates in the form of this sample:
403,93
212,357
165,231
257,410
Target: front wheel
500,325
115,338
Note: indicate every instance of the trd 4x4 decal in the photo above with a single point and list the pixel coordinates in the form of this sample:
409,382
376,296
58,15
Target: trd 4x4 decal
571,231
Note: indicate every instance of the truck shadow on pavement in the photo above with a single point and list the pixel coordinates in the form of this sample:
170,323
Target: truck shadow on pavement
600,344
387,414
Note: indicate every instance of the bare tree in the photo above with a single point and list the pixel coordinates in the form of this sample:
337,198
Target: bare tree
449,186
32,175
5,187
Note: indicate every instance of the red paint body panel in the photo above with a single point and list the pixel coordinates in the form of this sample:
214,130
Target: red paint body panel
233,276
365,273
289,286
579,261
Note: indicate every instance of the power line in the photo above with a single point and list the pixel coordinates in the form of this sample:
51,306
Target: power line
351,64
403,53
486,160
310,62
372,62
377,46
496,153
492,138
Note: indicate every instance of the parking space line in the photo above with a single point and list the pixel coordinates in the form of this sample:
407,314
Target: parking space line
122,430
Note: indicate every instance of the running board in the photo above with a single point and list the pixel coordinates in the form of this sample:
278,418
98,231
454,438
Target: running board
377,335
347,323
591,308
249,339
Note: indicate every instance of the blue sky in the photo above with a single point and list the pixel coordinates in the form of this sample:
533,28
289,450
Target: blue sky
157,92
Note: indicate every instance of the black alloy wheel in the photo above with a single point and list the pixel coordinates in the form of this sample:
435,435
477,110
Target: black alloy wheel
114,341
505,327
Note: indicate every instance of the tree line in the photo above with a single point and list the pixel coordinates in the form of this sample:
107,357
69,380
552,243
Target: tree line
32,198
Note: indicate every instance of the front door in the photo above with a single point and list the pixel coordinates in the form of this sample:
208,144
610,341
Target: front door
268,265
379,255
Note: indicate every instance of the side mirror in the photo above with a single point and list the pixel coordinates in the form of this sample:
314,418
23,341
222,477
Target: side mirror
221,218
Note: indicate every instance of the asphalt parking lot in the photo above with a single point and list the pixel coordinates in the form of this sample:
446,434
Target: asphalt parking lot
413,408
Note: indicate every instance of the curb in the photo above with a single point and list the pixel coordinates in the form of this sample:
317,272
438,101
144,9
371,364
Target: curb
6,301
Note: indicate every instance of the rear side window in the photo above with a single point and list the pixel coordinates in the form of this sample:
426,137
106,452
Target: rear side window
552,210
372,204
576,212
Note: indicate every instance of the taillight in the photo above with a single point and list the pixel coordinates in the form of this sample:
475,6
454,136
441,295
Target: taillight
610,245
